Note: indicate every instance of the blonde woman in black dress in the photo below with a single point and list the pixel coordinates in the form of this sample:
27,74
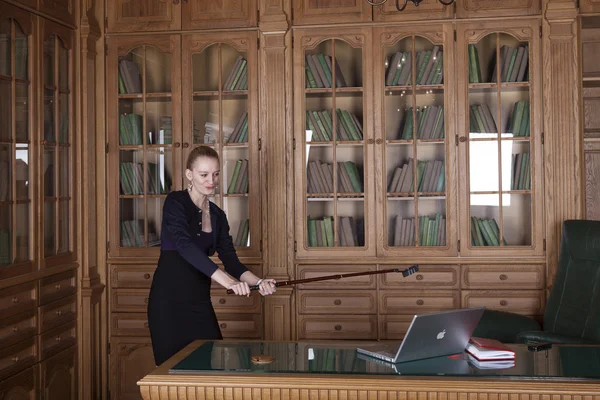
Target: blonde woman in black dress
193,228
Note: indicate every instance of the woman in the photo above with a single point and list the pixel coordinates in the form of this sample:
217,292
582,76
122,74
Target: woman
179,309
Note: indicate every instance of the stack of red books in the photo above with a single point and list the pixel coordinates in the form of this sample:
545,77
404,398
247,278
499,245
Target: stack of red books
490,353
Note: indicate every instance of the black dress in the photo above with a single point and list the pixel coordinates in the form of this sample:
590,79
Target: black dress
179,308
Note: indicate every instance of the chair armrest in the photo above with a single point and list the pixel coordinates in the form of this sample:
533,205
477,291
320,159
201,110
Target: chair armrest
504,326
549,337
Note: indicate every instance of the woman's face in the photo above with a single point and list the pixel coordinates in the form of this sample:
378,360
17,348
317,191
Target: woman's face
204,175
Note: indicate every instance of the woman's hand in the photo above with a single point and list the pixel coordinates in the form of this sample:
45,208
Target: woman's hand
240,288
266,286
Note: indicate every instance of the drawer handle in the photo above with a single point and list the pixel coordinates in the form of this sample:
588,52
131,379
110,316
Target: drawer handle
185,144
503,277
15,359
145,325
59,313
15,329
503,303
223,325
337,302
420,302
146,300
146,276
419,277
177,144
58,339
15,300
57,286
337,327
222,301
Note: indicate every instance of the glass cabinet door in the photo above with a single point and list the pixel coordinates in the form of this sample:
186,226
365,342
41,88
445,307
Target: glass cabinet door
500,134
15,144
146,128
415,129
334,186
222,100
56,140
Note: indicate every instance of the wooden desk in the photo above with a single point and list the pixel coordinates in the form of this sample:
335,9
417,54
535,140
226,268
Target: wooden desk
220,385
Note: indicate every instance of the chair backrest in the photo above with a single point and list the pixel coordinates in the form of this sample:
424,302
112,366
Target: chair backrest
574,303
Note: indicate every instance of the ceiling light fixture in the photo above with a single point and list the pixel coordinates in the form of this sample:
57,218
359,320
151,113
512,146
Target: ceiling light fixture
401,8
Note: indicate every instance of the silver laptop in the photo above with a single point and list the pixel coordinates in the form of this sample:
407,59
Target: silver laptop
430,335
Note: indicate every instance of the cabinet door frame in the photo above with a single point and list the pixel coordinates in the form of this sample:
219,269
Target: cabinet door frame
523,30
304,40
244,41
121,46
438,34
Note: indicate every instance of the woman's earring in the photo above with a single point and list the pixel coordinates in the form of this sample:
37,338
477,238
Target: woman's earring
189,188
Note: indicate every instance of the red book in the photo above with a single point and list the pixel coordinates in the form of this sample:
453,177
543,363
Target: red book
489,349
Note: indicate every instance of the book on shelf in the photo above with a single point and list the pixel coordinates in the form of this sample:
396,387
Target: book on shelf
242,236
350,231
520,119
429,121
431,177
512,65
521,172
130,129
320,123
320,232
238,76
481,119
485,232
239,134
485,349
319,72
132,179
164,134
432,231
130,78
429,68
239,178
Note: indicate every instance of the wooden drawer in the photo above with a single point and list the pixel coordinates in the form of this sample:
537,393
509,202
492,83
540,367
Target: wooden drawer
53,315
223,302
418,302
17,328
22,386
528,276
428,276
525,302
18,299
129,324
337,302
58,286
337,327
58,339
495,8
240,325
128,276
394,327
18,357
129,300
315,271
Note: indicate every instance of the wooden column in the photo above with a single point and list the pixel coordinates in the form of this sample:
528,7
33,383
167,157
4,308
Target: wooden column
276,138
563,143
90,196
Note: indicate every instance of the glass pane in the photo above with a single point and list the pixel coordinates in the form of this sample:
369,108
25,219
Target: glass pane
6,173
350,223
132,222
6,256
234,71
63,225
485,229
5,47
130,72
63,115
206,111
49,56
63,67
346,69
64,178
49,115
158,121
518,175
235,122
131,124
158,71
205,69
159,167
239,223
49,175
516,217
22,233
22,172
49,227
21,112
5,111
132,172
21,54
154,213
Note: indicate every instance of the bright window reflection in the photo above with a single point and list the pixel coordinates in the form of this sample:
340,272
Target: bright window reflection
483,159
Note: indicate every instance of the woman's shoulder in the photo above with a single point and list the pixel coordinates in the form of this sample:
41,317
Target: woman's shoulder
177,196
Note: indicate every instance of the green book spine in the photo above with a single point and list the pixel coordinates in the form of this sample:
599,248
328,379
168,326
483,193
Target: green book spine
234,176
325,67
312,232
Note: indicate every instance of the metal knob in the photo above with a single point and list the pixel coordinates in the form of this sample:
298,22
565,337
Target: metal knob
338,327
146,276
337,302
462,139
177,144
370,141
503,277
503,303
420,302
378,141
57,286
146,300
419,277
186,145
223,325
15,300
222,301
59,313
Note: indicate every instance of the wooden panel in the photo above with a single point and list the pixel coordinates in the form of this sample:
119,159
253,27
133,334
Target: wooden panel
129,300
18,357
64,10
394,326
129,324
57,340
316,271
143,16
58,376
337,302
22,386
495,8
428,9
592,185
58,312
428,276
223,302
330,11
337,327
417,302
525,302
591,108
589,6
240,325
130,360
18,299
17,328
503,276
128,276
209,14
58,286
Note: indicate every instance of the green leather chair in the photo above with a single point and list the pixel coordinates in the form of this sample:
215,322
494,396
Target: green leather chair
572,312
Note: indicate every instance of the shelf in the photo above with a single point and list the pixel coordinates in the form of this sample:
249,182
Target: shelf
342,90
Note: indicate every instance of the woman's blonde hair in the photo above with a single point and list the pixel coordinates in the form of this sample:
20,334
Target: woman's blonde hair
201,151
